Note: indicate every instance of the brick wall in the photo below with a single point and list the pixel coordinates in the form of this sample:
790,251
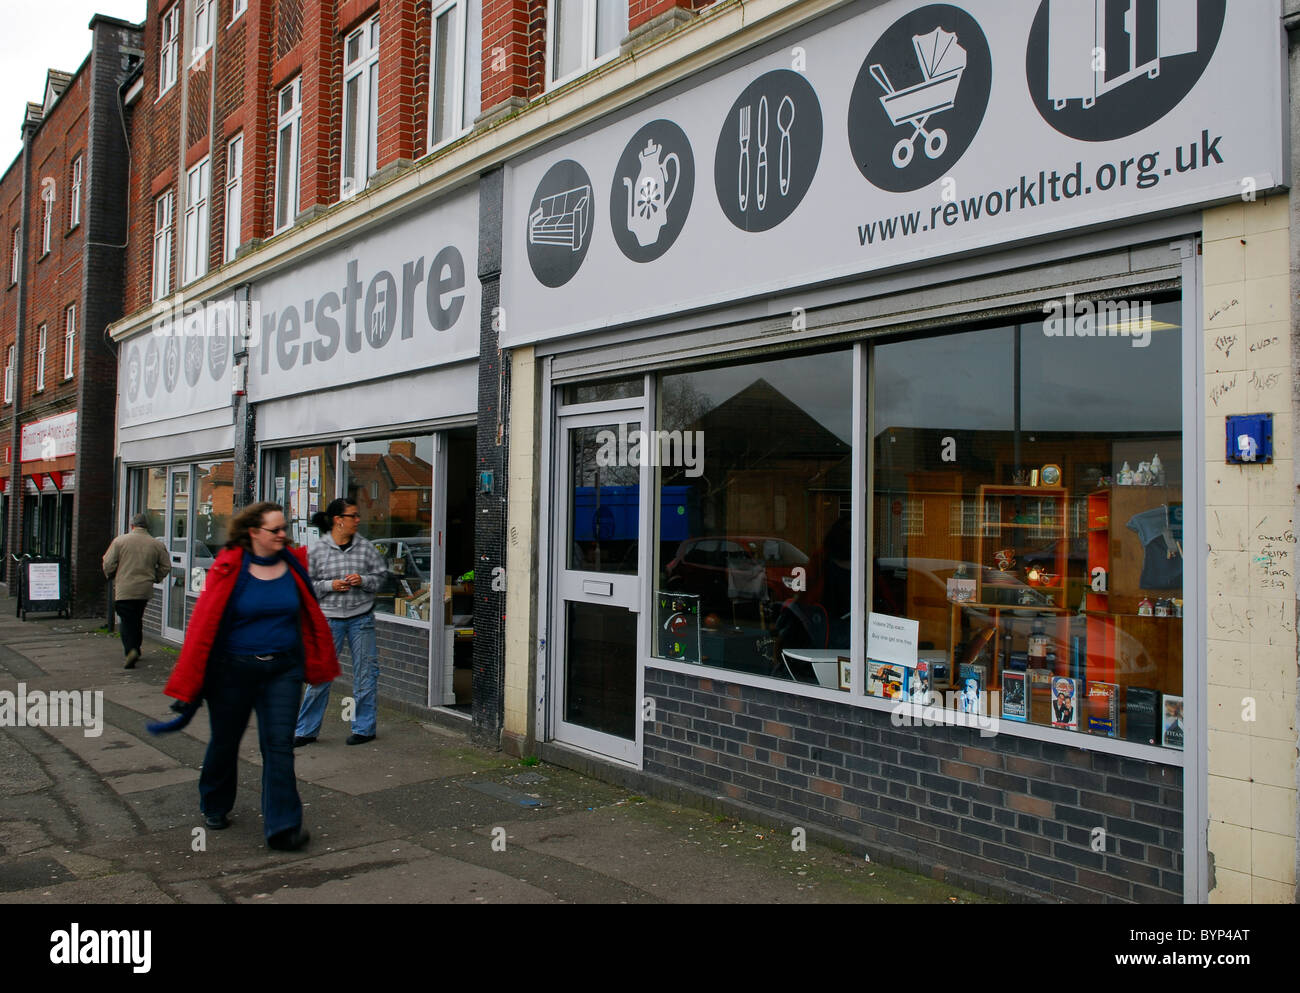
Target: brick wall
1012,811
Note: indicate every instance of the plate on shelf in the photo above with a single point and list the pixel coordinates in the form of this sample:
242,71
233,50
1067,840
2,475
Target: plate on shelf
1050,475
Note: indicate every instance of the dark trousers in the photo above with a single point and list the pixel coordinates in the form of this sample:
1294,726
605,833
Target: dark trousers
132,614
237,685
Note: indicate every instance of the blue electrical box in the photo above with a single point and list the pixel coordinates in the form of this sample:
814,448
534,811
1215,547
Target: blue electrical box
1249,439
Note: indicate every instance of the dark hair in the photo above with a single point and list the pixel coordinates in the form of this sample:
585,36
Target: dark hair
324,520
247,519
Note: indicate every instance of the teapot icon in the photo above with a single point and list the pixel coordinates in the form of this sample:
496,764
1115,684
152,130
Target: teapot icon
647,201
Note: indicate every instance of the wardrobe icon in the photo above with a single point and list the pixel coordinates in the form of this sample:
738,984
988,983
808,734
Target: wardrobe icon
1097,46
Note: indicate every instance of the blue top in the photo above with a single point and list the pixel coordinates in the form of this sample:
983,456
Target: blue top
263,616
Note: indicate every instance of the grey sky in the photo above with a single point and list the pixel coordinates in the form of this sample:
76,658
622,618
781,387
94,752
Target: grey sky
41,35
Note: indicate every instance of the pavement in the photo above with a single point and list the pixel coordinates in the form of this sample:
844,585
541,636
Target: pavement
420,815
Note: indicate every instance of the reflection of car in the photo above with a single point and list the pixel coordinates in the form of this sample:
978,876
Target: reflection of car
409,559
734,567
201,556
928,596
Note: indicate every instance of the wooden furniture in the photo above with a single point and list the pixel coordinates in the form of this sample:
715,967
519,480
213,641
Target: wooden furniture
1022,520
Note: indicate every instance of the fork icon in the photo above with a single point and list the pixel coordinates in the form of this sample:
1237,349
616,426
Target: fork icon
743,180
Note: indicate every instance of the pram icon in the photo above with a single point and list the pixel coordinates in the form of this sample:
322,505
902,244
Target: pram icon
942,63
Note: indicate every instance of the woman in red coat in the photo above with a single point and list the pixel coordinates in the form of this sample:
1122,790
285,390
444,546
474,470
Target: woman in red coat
255,636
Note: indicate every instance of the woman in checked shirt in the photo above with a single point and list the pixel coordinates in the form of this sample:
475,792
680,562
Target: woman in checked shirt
346,571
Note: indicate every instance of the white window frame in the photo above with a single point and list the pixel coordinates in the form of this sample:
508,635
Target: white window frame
289,119
234,195
10,358
164,220
15,260
466,66
47,219
362,71
69,339
42,341
169,47
590,58
74,206
237,8
202,28
198,190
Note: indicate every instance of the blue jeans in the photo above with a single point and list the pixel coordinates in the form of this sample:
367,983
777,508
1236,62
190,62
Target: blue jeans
236,686
360,634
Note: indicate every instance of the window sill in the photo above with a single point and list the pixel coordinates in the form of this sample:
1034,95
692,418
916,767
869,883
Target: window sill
72,230
164,93
231,24
44,255
585,68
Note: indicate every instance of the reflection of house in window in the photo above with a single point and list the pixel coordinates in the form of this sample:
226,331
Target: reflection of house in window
770,469
392,490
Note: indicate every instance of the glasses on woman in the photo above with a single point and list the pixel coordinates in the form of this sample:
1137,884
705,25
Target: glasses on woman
355,517
280,530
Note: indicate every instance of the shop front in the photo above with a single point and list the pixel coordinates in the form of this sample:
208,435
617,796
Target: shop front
176,445
364,379
49,459
885,520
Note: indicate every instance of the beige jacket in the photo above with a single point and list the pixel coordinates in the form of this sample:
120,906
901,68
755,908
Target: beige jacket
136,561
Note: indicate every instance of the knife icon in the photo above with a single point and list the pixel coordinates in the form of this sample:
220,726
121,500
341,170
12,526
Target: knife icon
762,153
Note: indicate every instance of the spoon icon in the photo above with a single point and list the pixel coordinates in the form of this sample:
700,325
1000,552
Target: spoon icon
784,121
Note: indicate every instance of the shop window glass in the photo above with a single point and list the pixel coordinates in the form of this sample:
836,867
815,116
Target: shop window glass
301,481
754,546
1027,514
212,512
390,482
151,498
610,389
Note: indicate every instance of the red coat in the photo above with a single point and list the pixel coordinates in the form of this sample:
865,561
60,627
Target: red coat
320,663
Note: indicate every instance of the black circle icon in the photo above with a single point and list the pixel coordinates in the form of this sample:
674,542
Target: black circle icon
151,363
919,98
560,223
172,363
768,150
1106,70
654,184
193,358
133,373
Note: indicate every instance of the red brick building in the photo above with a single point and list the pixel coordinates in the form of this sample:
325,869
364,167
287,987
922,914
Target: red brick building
65,212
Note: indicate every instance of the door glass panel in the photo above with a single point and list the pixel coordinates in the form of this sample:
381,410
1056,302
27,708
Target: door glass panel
215,494
604,498
600,668
180,510
153,498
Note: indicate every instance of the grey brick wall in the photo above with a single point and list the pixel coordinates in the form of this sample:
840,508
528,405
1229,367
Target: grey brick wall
1012,811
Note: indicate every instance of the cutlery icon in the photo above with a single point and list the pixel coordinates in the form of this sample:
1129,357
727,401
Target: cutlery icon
743,180
784,121
762,153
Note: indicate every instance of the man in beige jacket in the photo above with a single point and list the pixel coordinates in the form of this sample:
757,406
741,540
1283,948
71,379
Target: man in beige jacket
134,562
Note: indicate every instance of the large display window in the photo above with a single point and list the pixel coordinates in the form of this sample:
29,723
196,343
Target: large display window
1022,541
755,547
391,482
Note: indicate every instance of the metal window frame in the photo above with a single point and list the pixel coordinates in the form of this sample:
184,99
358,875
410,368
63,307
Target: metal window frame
169,47
69,339
164,223
367,146
74,204
292,118
233,219
194,264
42,345
458,50
590,58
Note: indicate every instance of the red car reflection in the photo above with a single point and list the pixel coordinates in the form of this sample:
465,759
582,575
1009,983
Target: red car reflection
721,570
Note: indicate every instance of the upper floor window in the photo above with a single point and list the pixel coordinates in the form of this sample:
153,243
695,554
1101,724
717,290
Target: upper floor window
237,7
454,72
10,358
47,217
287,145
74,206
205,12
69,340
583,33
360,106
164,211
169,48
234,194
16,255
197,186
41,335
